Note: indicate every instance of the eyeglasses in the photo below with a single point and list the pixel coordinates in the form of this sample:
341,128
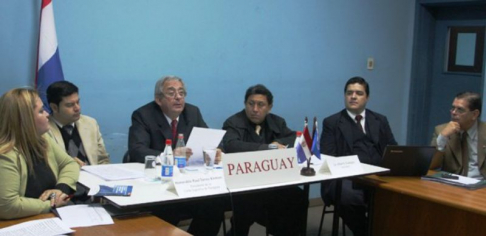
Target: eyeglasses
173,93
458,110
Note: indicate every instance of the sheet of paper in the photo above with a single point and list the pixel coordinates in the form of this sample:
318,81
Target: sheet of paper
463,180
203,137
113,172
84,215
44,227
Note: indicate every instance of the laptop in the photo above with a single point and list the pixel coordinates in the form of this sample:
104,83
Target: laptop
407,160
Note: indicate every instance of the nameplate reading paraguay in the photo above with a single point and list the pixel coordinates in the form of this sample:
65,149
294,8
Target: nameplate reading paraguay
246,169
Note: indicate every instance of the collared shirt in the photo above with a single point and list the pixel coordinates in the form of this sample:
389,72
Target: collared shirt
169,120
472,142
60,125
353,116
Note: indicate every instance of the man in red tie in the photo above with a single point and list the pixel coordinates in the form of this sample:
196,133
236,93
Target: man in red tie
354,131
461,142
161,119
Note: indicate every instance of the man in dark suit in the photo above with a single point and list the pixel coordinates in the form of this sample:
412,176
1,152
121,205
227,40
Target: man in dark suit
354,131
461,142
163,119
253,129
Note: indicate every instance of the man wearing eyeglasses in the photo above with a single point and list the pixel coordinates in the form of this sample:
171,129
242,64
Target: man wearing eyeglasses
461,143
161,119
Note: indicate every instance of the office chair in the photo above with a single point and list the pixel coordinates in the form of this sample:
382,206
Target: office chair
324,211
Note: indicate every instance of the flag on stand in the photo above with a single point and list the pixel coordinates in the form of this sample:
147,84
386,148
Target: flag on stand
49,67
303,152
315,141
306,134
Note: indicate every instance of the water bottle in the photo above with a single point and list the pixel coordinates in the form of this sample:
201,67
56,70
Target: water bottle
167,161
180,152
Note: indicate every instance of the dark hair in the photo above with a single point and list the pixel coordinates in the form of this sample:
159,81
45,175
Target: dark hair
358,80
473,99
259,89
57,90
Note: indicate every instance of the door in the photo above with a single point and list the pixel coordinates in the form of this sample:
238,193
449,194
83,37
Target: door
433,88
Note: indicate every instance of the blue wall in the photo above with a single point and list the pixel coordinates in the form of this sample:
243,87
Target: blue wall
304,51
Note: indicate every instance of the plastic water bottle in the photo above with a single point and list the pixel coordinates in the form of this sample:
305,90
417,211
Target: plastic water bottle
167,161
180,152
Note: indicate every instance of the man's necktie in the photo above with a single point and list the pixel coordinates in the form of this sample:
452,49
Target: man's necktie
358,121
258,128
465,154
68,129
73,149
174,129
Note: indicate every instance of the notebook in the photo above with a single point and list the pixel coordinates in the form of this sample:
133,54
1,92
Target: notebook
407,160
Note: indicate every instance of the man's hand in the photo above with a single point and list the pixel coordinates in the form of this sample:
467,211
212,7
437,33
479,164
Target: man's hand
451,128
218,156
280,146
80,163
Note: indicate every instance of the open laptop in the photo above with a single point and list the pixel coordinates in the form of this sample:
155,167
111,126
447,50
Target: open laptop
407,160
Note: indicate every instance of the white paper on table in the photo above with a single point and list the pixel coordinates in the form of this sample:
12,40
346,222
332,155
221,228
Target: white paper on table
202,137
84,215
113,172
44,227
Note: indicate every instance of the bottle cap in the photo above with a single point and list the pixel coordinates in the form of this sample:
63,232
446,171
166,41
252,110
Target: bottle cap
299,133
180,136
168,141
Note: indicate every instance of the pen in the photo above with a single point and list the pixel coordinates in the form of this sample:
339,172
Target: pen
449,176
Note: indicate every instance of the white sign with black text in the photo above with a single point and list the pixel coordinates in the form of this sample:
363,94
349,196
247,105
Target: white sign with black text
246,169
200,184
344,165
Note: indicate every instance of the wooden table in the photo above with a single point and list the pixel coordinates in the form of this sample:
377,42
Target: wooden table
137,225
411,206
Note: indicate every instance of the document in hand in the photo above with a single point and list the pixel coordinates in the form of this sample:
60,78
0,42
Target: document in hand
461,181
201,138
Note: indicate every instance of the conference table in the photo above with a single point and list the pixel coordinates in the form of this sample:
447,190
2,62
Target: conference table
138,225
150,193
412,206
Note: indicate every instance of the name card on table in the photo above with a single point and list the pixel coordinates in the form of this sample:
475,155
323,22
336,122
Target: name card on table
200,184
344,165
246,169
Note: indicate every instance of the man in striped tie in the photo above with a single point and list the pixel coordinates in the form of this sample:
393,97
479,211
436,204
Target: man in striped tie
78,134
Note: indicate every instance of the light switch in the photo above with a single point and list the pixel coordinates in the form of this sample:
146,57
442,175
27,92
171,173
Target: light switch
371,63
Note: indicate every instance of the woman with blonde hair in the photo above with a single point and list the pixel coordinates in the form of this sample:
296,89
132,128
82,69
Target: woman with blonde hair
36,175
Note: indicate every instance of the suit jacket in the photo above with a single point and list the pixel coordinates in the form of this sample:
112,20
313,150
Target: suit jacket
14,175
452,155
336,138
241,137
90,134
150,129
